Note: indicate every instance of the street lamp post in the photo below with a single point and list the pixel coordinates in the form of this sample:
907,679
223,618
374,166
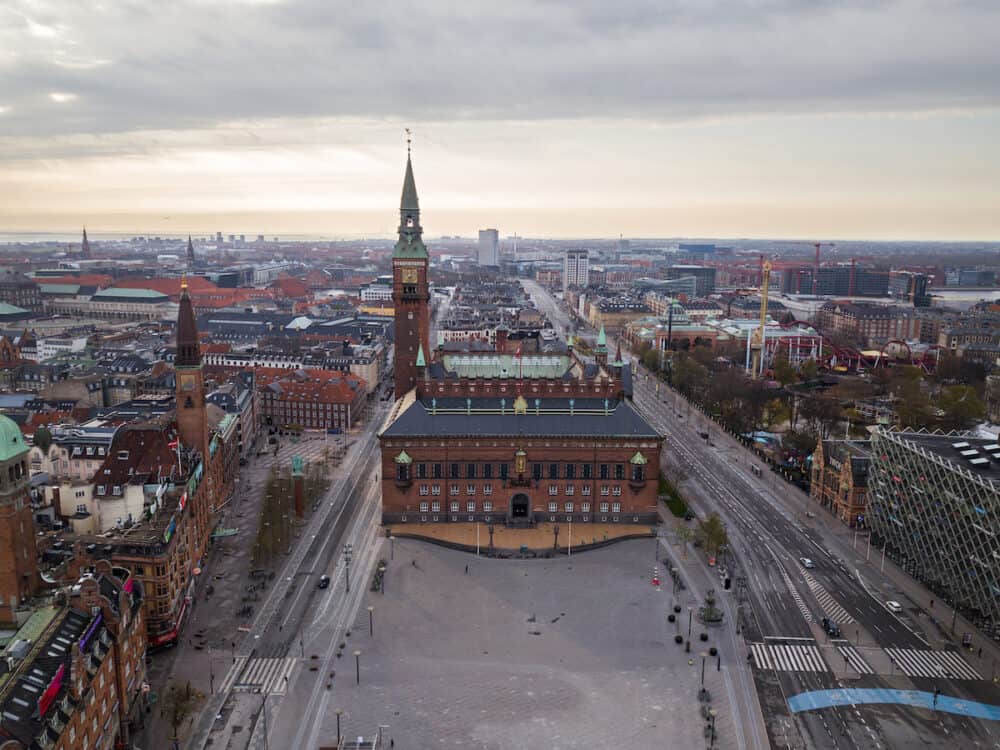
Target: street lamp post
371,621
712,713
357,667
704,655
338,712
690,616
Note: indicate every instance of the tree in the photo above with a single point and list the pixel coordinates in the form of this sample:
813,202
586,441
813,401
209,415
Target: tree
784,373
178,704
776,412
712,533
684,535
689,376
821,413
651,360
809,369
43,439
802,442
959,407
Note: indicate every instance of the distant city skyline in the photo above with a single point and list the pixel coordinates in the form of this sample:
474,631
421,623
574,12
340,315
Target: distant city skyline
795,120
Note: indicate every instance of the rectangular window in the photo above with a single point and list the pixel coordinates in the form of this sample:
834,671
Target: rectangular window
454,507
571,471
487,489
436,506
553,471
504,471
454,471
81,508
553,507
436,489
616,507
585,507
604,507
605,490
487,507
470,489
487,471
421,471
570,489
569,507
616,490
553,489
402,472
470,506
638,473
585,490
424,489
470,471
454,490
437,471
536,471
619,471
423,506
603,471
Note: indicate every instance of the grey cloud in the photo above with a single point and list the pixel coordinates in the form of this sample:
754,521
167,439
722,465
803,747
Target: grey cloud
190,63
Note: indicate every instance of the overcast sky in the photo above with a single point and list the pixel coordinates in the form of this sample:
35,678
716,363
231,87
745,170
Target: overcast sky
778,118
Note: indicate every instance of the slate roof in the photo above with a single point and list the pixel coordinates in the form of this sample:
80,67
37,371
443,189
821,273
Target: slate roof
551,419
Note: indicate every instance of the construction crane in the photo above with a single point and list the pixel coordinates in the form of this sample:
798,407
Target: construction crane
818,245
758,335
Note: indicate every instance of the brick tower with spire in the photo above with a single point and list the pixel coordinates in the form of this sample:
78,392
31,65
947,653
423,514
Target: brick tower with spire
190,254
410,288
85,246
192,419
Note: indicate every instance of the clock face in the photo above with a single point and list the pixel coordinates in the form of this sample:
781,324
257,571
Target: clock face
187,382
410,276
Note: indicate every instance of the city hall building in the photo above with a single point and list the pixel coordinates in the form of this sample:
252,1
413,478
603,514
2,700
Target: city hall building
506,438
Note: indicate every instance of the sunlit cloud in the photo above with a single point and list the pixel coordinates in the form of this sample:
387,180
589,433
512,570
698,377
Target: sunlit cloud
61,97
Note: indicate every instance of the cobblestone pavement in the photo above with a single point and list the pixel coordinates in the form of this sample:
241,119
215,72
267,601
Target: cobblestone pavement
550,653
539,537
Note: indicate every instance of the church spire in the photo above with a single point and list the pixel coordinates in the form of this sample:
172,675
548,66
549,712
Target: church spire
188,351
85,245
190,253
409,244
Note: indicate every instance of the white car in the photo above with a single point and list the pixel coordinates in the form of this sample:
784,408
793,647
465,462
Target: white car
806,562
894,606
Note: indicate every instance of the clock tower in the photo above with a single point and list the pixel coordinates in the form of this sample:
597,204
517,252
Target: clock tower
192,420
410,289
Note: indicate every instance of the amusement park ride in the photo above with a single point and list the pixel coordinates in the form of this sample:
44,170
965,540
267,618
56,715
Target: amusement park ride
799,342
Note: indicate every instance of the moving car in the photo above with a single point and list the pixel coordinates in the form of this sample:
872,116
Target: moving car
832,629
324,582
893,606
806,562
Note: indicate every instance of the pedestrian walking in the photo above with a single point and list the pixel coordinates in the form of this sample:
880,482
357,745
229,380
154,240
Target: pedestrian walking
466,570
932,604
980,652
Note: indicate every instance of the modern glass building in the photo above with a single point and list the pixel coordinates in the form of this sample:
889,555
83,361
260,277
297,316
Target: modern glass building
934,502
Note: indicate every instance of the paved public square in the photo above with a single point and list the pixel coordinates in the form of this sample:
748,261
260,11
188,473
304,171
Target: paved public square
556,653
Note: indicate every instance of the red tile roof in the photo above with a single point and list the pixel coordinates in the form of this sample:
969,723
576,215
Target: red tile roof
170,286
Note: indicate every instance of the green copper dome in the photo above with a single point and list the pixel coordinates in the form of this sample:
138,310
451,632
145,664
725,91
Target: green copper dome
11,440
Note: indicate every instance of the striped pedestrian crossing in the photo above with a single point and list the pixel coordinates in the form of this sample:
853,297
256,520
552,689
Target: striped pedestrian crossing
798,599
855,660
915,662
259,675
831,608
788,658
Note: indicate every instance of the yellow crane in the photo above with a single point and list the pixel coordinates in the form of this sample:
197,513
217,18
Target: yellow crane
758,335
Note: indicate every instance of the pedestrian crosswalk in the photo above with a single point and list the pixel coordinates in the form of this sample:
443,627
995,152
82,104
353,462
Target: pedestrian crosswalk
831,608
259,675
798,599
855,660
788,658
915,662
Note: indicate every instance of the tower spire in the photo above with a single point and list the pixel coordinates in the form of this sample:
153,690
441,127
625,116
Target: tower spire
409,244
190,252
85,245
188,351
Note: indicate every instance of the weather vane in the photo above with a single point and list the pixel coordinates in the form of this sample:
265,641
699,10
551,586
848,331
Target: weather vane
407,141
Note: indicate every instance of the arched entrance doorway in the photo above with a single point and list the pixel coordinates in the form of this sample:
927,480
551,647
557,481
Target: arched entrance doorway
520,507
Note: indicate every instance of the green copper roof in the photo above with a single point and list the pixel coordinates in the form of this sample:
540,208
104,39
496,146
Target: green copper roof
6,309
409,201
403,458
11,441
602,339
507,365
638,459
137,294
421,362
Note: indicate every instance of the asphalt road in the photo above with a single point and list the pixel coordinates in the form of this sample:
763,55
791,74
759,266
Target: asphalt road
771,526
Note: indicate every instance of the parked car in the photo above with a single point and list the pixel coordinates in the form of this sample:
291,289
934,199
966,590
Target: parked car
806,562
832,629
324,582
894,606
